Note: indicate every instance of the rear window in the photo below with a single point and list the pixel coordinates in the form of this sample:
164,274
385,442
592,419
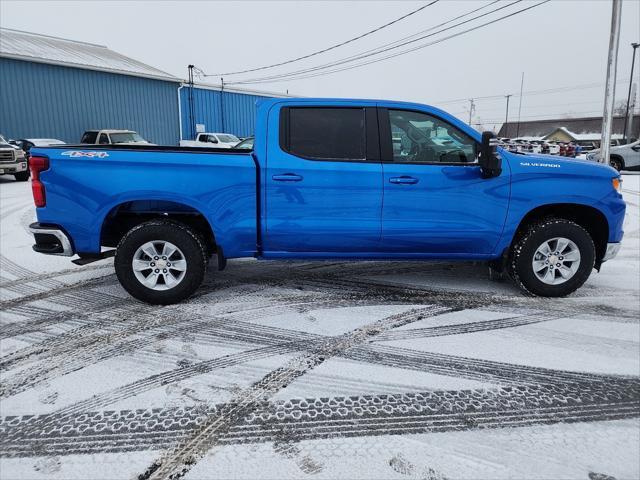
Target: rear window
89,137
325,133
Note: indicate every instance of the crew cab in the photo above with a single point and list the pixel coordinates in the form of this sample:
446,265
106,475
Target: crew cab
328,179
208,140
112,137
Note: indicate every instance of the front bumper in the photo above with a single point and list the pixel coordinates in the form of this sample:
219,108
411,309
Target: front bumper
612,251
51,240
11,168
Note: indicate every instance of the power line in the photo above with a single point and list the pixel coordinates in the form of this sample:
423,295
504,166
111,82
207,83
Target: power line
299,74
379,49
536,117
537,106
545,91
333,47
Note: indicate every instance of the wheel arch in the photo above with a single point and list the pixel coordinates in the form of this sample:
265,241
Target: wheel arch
590,218
125,215
618,157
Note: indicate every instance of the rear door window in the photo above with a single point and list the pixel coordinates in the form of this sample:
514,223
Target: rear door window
324,133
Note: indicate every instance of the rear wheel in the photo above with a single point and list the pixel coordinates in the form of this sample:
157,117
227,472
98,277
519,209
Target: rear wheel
552,259
22,176
161,262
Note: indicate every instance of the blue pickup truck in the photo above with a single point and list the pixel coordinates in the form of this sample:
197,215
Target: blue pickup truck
328,179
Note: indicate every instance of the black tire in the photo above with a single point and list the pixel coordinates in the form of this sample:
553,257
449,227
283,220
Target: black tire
523,250
188,241
616,162
22,176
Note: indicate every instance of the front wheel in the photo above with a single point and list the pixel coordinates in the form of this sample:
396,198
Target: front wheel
616,163
553,259
161,262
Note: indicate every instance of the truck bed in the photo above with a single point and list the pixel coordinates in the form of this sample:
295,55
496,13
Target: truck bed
86,184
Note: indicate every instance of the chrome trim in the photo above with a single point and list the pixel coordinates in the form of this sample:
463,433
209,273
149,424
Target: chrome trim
612,251
67,250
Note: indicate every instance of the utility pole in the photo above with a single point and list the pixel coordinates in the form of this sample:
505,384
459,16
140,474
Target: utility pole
506,117
191,123
520,105
626,112
610,88
472,108
629,117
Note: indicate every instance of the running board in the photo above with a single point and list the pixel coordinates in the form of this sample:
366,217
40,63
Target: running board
90,258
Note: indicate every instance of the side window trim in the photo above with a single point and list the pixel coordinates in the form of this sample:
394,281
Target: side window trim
372,138
386,146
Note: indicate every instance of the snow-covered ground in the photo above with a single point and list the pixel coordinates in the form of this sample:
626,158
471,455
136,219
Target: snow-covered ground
324,370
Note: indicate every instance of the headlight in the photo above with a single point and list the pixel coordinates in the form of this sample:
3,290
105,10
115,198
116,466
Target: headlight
19,154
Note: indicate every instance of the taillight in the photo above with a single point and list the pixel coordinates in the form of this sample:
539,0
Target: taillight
37,165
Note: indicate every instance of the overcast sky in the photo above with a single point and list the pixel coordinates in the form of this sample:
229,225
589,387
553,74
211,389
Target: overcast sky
559,44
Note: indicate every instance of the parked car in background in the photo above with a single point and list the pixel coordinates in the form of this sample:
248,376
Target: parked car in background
113,137
554,148
212,140
246,144
522,146
563,150
536,146
624,157
26,144
13,161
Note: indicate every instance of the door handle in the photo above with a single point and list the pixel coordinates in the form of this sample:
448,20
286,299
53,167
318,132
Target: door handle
287,177
404,180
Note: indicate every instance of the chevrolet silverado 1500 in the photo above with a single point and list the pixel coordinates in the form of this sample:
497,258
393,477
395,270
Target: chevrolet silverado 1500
339,179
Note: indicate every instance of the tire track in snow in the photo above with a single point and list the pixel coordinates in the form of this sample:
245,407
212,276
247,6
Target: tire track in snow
272,336
318,418
178,462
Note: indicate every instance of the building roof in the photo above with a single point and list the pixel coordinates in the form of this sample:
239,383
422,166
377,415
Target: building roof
590,136
576,126
70,53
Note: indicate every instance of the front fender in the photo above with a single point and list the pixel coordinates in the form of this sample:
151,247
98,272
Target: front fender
547,181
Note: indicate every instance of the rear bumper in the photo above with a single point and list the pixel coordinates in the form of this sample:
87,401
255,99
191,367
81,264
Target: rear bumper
51,240
612,251
11,168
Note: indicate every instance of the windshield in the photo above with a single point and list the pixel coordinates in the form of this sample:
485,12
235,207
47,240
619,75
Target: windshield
246,144
126,137
227,138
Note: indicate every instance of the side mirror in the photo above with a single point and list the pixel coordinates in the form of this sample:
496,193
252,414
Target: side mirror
212,140
490,163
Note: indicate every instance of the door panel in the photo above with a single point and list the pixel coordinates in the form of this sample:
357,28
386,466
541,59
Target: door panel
435,200
322,205
450,209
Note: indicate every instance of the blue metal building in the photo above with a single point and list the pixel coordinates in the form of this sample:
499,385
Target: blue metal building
57,88
228,111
